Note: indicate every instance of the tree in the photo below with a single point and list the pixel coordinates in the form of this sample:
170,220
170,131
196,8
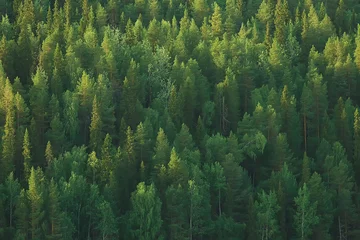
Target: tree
357,145
70,113
319,96
198,205
107,155
39,99
227,97
27,155
96,134
85,93
56,134
284,184
36,201
154,9
12,191
216,21
282,154
144,143
144,218
216,178
8,144
357,50
49,156
320,194
238,189
177,170
281,18
305,217
21,112
108,222
200,10
339,175
176,212
306,101
290,119
132,95
162,150
266,209
183,140
22,216
306,171
54,211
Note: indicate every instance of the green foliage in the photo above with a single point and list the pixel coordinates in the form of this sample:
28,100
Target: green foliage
305,217
144,218
266,209
172,119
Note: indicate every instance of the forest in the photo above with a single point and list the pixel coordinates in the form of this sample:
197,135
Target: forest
180,119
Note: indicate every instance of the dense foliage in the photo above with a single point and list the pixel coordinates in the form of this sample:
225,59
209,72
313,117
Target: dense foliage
171,119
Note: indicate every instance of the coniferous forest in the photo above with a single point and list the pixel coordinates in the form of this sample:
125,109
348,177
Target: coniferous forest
180,119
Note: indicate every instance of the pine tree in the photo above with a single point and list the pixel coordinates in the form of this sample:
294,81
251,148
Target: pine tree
22,216
357,145
56,134
198,205
54,211
177,170
144,142
107,155
217,182
162,150
306,171
282,154
320,194
96,134
176,212
184,140
216,22
39,99
281,18
132,95
85,91
357,50
27,155
49,155
12,191
8,145
36,201
94,164
21,112
290,119
200,10
154,9
227,97
70,113
306,101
